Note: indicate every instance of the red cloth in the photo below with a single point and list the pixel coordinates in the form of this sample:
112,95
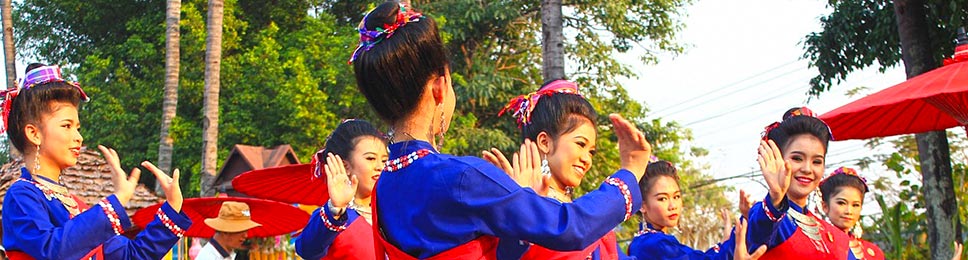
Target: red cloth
356,242
800,246
96,254
481,248
607,244
870,251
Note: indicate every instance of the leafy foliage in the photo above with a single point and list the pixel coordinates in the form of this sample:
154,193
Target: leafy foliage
285,78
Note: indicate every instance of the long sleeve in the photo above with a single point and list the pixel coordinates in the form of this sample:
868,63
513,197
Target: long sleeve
507,211
321,231
769,225
28,223
439,202
158,237
662,246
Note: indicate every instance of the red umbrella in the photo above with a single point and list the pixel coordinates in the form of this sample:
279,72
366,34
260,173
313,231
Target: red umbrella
276,218
290,184
934,100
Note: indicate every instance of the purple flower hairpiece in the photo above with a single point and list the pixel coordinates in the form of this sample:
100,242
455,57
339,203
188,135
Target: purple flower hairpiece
34,77
369,38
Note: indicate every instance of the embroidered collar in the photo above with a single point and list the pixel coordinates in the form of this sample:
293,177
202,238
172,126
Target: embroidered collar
648,229
52,190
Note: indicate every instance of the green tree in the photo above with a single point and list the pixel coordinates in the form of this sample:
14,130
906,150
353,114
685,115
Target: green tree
918,32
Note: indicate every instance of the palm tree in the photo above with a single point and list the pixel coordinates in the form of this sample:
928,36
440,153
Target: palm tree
8,48
552,41
172,66
213,60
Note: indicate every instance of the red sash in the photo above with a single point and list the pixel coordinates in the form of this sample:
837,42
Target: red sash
481,248
606,244
356,242
801,246
96,254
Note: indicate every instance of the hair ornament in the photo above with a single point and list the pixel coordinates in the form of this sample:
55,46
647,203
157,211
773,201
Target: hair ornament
847,171
369,38
523,105
801,111
34,77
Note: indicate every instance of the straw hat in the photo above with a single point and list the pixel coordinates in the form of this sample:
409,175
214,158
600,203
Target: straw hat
232,217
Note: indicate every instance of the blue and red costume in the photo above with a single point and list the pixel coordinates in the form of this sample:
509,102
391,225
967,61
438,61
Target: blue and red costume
651,243
437,206
37,225
793,232
605,248
326,237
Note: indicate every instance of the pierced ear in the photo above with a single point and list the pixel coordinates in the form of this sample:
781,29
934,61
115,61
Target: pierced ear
32,132
543,140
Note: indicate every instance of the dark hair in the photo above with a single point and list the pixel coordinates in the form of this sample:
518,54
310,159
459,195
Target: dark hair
344,138
654,171
797,122
837,182
31,104
392,74
557,114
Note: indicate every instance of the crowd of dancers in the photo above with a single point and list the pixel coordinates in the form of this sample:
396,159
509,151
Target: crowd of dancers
433,205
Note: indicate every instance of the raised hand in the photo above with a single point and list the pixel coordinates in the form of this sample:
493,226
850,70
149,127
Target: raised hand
739,252
634,150
775,171
957,250
745,203
124,184
496,157
524,167
341,186
727,223
170,185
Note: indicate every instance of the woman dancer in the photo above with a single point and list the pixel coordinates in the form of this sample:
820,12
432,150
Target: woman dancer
41,219
342,229
430,204
561,123
842,194
791,157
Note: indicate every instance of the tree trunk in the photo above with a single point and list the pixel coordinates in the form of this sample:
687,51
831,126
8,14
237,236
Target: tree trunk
213,60
933,151
9,53
170,103
552,41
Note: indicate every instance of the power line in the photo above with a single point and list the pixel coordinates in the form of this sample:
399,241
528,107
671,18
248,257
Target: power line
733,92
782,93
724,87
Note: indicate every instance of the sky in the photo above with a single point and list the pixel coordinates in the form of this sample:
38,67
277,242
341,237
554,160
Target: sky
741,70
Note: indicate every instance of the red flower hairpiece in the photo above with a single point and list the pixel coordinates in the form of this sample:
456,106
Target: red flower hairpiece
802,111
523,105
847,171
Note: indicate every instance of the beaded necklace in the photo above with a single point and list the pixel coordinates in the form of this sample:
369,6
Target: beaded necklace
53,190
404,161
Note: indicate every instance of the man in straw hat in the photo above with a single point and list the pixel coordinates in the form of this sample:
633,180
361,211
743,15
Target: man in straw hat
231,230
